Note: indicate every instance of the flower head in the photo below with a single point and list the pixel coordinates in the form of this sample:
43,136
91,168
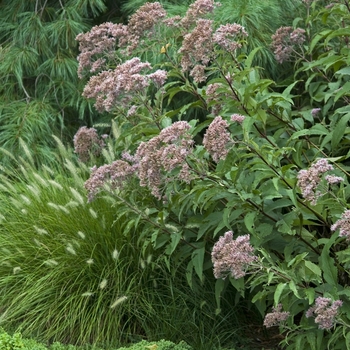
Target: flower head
284,41
343,224
143,22
162,154
275,317
226,36
119,86
217,139
99,42
324,312
237,118
197,46
114,175
86,141
197,10
309,180
231,256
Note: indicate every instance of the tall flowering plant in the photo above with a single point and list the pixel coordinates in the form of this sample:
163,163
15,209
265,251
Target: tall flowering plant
253,187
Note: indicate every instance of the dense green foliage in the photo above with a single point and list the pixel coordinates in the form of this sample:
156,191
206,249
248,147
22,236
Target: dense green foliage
40,92
16,342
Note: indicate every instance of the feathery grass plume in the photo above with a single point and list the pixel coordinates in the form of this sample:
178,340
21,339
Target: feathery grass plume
40,180
74,171
72,204
81,234
77,196
103,283
93,213
35,190
115,254
55,184
53,206
25,199
51,262
40,231
118,301
64,209
26,151
70,249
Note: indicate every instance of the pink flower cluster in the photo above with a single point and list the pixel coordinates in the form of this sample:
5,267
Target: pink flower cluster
226,36
237,118
162,154
198,45
217,139
275,317
197,49
231,256
98,42
143,22
324,312
284,41
103,40
113,175
344,225
197,10
309,180
86,142
118,87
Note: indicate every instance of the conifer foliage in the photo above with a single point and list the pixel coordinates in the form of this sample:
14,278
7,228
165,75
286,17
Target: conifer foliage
40,93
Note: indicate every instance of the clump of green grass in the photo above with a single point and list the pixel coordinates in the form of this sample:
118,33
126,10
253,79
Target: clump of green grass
70,272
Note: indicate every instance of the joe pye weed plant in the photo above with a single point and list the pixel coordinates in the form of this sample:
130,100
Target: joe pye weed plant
257,188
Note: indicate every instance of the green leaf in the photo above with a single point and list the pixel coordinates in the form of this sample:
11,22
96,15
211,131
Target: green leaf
330,272
198,260
174,241
248,61
278,293
249,221
313,267
219,287
339,130
294,289
310,293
